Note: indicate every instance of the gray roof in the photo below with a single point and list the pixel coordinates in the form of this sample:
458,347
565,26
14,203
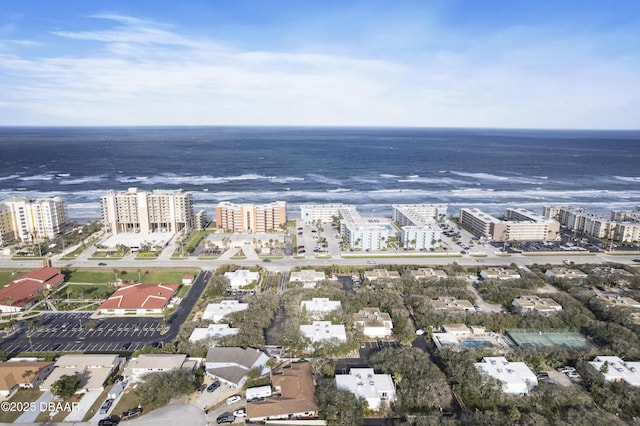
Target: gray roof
244,357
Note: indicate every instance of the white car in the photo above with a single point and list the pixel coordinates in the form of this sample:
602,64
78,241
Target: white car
240,412
233,399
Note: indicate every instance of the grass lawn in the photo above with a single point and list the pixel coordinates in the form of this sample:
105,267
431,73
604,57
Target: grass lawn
7,275
82,291
128,401
147,275
22,395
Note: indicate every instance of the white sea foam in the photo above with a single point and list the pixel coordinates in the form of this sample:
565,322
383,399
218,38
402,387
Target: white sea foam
80,181
46,176
634,179
9,177
388,176
325,179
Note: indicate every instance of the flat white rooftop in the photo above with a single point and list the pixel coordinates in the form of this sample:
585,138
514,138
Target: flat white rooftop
135,240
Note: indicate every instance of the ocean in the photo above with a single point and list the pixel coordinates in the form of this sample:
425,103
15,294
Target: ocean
372,168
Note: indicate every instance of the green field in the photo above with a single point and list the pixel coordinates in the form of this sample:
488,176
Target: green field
7,275
145,275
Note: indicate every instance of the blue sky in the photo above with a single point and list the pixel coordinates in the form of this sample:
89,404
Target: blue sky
522,64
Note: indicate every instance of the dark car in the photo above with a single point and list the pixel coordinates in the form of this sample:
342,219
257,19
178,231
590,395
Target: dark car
109,421
102,264
105,406
134,412
213,386
225,418
267,260
201,388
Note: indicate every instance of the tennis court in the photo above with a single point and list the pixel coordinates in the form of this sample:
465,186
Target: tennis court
546,338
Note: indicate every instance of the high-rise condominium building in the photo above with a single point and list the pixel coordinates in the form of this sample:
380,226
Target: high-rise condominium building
146,212
252,218
27,219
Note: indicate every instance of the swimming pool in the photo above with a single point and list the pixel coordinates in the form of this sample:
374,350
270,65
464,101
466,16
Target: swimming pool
475,343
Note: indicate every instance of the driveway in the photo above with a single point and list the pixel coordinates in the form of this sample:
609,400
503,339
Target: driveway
84,405
30,416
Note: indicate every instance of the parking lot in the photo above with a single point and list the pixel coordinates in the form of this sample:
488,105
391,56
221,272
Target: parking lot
78,332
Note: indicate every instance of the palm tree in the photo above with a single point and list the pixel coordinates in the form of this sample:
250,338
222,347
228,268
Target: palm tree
27,375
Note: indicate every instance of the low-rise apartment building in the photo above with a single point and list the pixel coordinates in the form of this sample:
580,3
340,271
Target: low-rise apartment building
445,303
533,303
381,274
614,369
612,300
376,389
499,274
565,273
520,225
324,331
515,377
318,307
429,274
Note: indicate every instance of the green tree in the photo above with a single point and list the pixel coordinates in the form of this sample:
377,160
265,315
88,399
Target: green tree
65,386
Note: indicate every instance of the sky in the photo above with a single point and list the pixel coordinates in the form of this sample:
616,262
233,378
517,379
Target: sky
467,63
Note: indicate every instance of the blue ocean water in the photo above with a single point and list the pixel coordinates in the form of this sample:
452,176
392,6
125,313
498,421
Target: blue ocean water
370,167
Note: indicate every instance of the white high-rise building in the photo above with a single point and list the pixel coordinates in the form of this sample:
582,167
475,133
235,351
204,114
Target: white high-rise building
27,219
146,212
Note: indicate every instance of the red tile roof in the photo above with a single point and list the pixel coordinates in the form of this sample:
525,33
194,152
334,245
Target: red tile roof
141,296
25,289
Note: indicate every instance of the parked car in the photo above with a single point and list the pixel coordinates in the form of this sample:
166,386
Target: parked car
102,264
213,386
371,262
242,412
134,412
225,418
233,399
201,388
109,421
105,406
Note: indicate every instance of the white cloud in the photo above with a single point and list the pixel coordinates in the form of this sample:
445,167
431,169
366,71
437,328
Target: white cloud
142,72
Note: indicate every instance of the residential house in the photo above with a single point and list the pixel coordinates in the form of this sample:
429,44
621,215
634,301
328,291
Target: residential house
213,332
297,399
157,363
231,365
308,277
376,389
22,374
375,324
92,370
241,278
217,311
